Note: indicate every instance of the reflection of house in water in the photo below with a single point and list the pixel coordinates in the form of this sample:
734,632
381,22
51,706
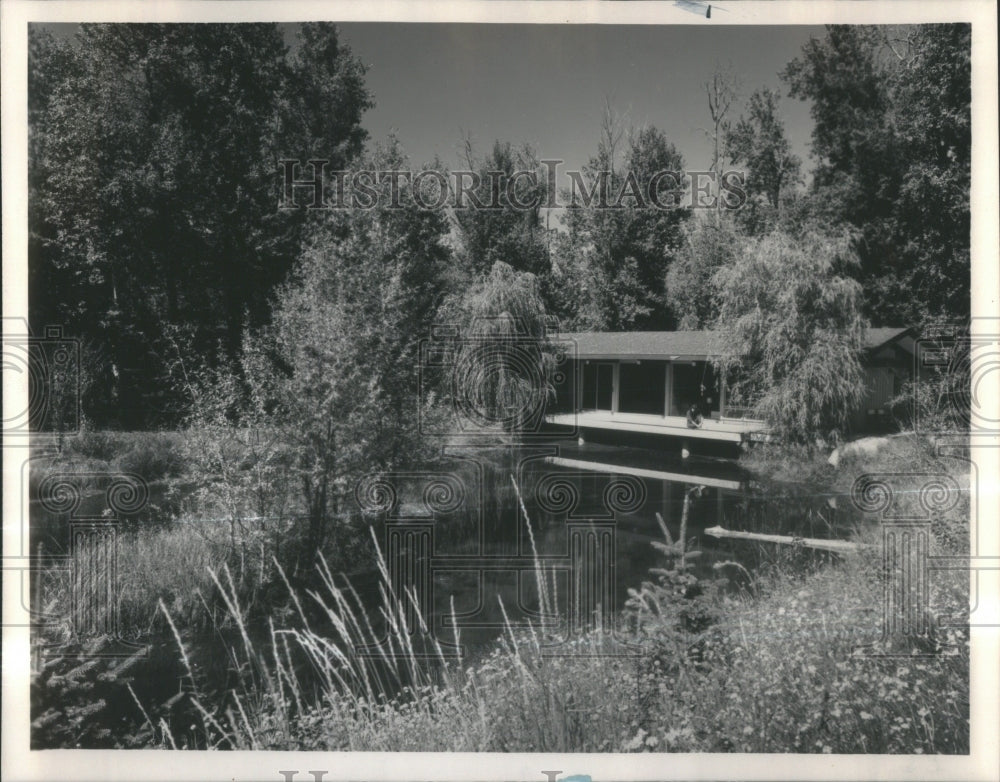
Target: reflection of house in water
718,490
665,479
642,383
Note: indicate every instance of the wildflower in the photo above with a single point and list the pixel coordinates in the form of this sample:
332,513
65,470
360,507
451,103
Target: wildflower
866,716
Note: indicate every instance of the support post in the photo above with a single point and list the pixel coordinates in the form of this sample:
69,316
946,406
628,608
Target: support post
668,388
615,385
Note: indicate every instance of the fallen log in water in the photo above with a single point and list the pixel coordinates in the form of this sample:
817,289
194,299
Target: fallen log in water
839,546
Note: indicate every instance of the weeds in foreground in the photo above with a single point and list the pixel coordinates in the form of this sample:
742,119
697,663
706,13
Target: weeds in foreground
770,666
791,664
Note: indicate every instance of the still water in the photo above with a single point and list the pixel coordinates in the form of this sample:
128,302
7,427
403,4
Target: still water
548,506
467,533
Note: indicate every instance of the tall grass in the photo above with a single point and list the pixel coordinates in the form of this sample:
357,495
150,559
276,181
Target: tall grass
773,668
769,664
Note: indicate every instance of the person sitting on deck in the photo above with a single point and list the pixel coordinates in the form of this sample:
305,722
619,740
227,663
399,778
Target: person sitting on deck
694,419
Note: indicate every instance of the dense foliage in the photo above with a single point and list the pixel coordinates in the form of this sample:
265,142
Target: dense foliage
614,260
153,193
153,188
892,139
289,349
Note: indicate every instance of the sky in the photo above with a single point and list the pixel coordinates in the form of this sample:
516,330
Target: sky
546,85
434,84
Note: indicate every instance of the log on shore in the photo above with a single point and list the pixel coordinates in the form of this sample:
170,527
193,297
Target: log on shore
839,546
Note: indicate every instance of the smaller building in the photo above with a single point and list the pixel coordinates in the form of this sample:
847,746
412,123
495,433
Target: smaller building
644,382
888,363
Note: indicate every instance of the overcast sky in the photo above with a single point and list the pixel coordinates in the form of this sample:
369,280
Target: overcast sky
545,84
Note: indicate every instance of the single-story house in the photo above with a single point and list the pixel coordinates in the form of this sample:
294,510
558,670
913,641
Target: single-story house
645,381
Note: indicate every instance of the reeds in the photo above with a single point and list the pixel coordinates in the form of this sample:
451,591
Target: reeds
346,678
773,671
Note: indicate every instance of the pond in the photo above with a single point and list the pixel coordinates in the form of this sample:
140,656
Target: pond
587,515
469,534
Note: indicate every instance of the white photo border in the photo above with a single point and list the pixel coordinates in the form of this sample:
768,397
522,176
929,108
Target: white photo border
982,762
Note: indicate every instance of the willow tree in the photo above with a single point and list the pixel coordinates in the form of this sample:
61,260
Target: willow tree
791,329
500,375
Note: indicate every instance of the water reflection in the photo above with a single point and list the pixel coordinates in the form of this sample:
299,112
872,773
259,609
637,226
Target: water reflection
465,536
577,497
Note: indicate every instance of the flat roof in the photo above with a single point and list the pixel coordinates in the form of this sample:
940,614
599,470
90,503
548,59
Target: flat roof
671,345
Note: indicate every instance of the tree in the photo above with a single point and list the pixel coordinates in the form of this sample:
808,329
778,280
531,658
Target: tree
759,143
892,139
935,136
154,183
501,367
337,366
721,90
621,243
791,329
499,219
708,246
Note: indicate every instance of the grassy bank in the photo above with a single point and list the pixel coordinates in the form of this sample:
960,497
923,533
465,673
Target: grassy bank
791,658
795,661
782,669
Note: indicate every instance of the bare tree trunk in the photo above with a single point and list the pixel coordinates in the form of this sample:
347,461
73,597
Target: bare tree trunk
722,91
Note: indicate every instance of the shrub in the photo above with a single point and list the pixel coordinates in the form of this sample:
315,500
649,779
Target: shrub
153,456
99,445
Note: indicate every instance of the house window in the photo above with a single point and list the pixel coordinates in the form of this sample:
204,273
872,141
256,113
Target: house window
641,387
598,386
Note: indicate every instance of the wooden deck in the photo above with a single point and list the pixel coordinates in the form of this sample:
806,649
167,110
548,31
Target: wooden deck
729,430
